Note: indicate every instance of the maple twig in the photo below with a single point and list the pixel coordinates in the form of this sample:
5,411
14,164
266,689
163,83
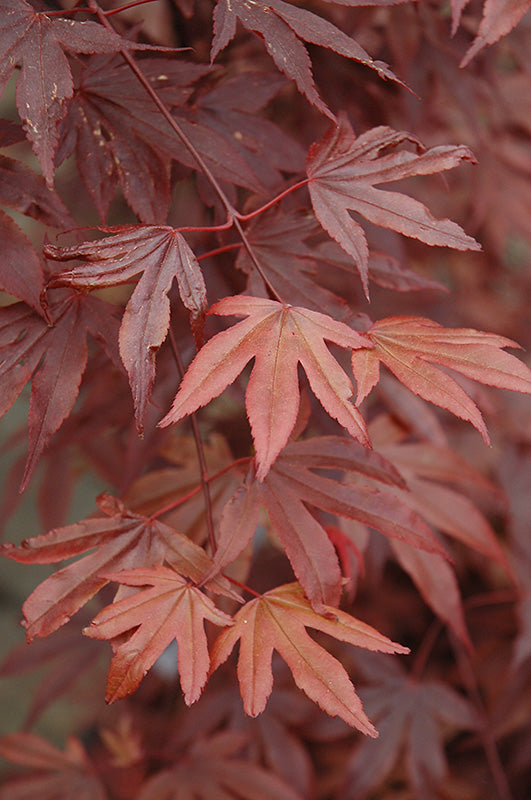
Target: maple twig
124,8
274,201
200,452
232,215
218,250
193,492
241,585
425,648
489,745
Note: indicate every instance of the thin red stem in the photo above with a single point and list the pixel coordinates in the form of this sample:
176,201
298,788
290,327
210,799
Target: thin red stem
218,250
247,217
426,646
124,8
206,229
193,492
241,585
232,214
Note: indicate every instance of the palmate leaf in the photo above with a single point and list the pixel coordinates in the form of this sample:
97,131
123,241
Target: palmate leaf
214,768
282,26
343,171
123,541
409,346
68,775
278,337
277,621
35,41
292,484
410,715
55,354
162,254
171,609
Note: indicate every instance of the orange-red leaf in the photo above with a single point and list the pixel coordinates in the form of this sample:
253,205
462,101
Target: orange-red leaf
278,337
170,609
277,621
409,346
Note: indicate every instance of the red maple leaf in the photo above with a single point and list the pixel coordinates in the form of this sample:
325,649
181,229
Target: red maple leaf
282,26
291,484
213,768
55,354
123,540
277,621
343,171
409,346
278,337
499,18
162,254
119,136
30,38
170,609
67,774
410,714
278,241
230,110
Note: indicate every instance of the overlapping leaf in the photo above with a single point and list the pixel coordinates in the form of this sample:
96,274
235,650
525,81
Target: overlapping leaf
55,354
230,110
279,242
162,254
409,346
277,621
278,337
292,483
215,768
343,171
68,775
170,609
122,540
119,135
410,714
499,18
282,27
35,41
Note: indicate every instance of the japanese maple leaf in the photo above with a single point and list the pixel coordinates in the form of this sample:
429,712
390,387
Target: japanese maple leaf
282,26
162,254
279,337
277,621
122,540
55,354
230,110
343,172
171,609
428,470
30,38
410,714
67,655
279,242
67,774
499,18
291,484
409,346
215,768
118,135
